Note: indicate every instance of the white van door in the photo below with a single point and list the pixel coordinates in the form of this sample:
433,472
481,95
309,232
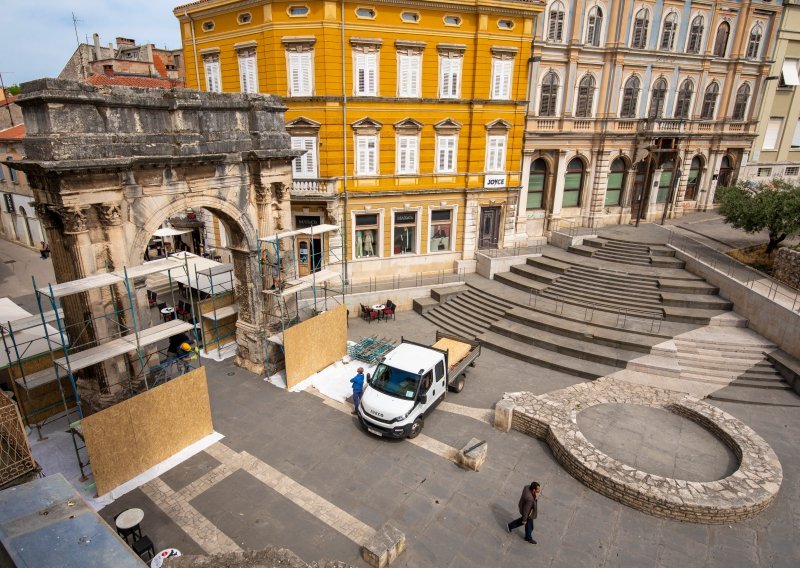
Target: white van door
427,389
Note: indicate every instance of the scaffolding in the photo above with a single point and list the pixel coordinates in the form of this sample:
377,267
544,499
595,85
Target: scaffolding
292,297
216,305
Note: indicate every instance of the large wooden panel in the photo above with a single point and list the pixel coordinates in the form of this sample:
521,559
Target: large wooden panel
136,434
314,344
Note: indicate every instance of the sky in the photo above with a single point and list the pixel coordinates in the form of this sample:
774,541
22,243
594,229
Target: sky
38,36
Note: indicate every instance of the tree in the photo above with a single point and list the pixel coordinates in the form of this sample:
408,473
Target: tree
774,206
13,90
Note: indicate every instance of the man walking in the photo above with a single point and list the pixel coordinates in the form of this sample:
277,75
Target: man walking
528,509
358,388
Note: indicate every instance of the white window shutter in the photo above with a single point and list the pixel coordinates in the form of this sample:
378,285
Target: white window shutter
772,133
306,74
444,66
455,68
372,74
361,71
414,72
796,137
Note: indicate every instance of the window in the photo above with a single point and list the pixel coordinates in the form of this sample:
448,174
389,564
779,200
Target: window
2,174
796,137
298,11
410,17
248,80
630,95
616,182
365,13
449,76
245,18
721,41
754,43
791,171
405,232
452,21
505,24
573,183
658,98
407,154
501,78
710,102
12,173
594,25
547,102
441,229
445,154
366,70
669,31
640,25
772,134
665,181
496,154
764,172
408,82
555,22
789,77
725,172
305,166
693,180
583,108
366,155
695,35
208,26
366,236
213,81
742,98
683,104
301,73
536,180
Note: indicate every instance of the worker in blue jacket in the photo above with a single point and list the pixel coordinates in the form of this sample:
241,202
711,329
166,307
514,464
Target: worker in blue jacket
358,388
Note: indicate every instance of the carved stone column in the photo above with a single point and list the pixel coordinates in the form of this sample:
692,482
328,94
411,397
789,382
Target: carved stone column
251,329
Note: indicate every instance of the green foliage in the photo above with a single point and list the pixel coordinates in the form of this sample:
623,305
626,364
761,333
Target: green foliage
13,90
774,206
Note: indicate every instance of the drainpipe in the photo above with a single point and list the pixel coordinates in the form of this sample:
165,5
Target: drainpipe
344,157
194,49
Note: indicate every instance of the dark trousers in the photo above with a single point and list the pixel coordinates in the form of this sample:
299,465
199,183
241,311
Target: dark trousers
528,526
356,399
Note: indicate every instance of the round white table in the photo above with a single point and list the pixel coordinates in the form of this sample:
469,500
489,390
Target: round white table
129,519
158,559
168,313
379,307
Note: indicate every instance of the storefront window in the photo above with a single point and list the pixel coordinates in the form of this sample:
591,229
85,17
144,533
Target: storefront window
573,184
441,227
616,182
366,236
405,232
536,184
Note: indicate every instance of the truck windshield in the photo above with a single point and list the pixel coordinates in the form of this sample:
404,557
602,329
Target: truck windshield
395,382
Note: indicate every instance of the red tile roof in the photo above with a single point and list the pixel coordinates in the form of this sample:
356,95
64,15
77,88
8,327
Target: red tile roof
14,133
8,100
158,63
128,81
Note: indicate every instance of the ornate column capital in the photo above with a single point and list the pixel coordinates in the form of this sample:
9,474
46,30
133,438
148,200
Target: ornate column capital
47,215
108,213
74,219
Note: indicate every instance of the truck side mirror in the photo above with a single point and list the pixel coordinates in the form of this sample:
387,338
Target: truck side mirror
423,398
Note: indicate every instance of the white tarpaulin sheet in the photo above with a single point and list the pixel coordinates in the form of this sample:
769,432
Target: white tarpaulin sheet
30,342
198,280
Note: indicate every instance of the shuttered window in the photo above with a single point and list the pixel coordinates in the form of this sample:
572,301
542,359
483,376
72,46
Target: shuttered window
669,31
496,154
549,96
695,35
366,155
640,25
772,134
445,154
408,82
213,81
742,98
754,42
366,70
501,78
630,94
583,108
305,166
248,79
594,25
555,22
710,102
721,42
684,103
301,73
407,154
657,99
449,76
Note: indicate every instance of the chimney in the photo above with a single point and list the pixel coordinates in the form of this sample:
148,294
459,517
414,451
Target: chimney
97,53
108,70
124,41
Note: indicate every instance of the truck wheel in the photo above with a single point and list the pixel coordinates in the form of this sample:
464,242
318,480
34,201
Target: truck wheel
416,428
458,385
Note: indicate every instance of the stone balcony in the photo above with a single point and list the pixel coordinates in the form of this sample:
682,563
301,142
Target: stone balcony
639,126
314,189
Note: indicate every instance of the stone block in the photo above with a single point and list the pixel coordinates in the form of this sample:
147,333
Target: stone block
503,414
473,454
422,305
384,546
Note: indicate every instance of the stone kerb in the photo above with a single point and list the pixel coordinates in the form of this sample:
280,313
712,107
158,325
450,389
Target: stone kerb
741,495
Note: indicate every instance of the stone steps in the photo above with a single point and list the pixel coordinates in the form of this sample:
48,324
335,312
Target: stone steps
519,282
629,248
610,256
544,357
574,295
491,299
465,316
698,301
765,397
666,262
550,264
616,289
581,250
448,325
480,311
687,287
699,317
534,273
611,276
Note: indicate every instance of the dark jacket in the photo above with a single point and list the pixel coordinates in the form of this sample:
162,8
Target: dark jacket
527,504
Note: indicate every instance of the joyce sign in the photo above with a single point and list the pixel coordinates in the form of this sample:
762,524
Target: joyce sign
494,180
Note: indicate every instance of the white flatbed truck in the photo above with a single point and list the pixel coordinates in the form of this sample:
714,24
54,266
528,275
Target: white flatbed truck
411,380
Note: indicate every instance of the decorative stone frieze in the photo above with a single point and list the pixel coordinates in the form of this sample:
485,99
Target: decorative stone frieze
74,219
109,214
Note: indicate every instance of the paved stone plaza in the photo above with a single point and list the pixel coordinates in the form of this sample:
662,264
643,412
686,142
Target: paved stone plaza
294,470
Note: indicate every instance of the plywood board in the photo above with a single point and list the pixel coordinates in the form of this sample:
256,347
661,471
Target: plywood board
456,350
314,344
136,434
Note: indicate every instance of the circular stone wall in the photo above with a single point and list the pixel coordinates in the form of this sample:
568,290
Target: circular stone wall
657,441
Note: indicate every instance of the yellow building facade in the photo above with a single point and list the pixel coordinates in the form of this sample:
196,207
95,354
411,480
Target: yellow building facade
412,114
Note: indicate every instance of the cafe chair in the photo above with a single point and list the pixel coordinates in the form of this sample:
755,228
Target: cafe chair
183,310
143,546
151,298
389,310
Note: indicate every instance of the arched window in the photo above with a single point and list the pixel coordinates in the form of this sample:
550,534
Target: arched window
547,102
573,183
640,25
585,97
630,94
684,103
725,172
616,182
740,105
695,35
721,41
555,22
657,99
594,26
669,31
536,180
693,181
710,101
754,43
665,181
